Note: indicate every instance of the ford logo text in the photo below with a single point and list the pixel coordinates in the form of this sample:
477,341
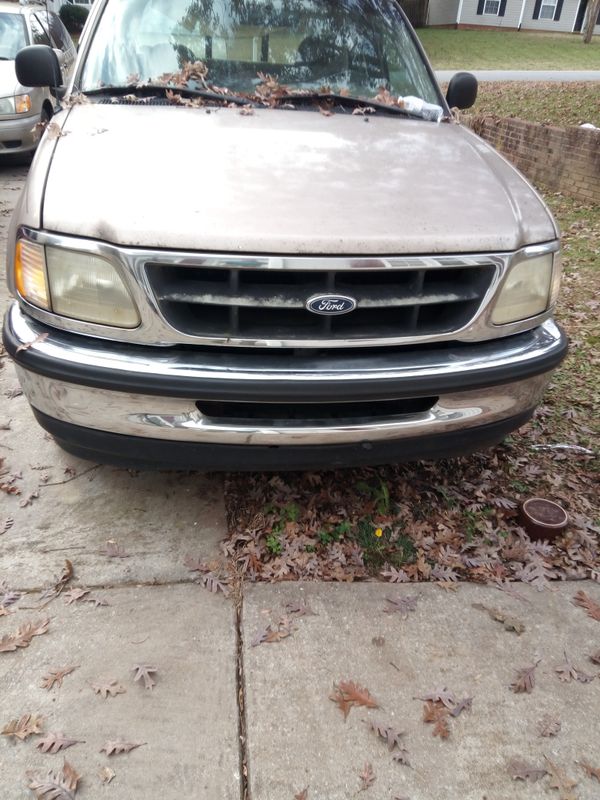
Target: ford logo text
330,304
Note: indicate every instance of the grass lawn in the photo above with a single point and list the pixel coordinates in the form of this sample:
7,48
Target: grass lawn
560,104
452,49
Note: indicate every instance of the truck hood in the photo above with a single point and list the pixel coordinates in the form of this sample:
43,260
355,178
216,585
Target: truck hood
280,181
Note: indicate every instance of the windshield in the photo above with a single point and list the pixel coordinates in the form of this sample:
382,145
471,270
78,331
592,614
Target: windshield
350,46
12,36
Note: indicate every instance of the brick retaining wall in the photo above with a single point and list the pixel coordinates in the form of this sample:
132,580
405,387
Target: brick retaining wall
562,159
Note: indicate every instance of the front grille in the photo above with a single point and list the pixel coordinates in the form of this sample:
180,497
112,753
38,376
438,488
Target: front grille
243,303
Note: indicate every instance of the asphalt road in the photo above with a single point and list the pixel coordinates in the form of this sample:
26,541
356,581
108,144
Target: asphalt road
567,76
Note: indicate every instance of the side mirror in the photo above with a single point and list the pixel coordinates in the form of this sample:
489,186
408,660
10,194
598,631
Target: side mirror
462,90
37,65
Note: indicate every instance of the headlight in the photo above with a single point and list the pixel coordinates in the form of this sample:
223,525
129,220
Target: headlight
7,105
22,103
74,284
530,288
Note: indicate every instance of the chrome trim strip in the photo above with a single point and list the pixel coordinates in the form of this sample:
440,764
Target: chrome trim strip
179,420
154,329
216,365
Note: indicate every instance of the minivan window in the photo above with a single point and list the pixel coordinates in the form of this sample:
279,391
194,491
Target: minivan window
38,31
13,36
354,46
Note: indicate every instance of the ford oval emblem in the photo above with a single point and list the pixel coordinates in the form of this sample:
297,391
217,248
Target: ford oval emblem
331,304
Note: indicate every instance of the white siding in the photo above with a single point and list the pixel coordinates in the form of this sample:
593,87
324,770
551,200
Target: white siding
563,25
509,20
442,12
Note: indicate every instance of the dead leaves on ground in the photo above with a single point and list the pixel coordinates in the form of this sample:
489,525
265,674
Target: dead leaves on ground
393,739
55,742
55,677
114,748
437,714
402,604
367,777
440,706
106,774
348,694
509,622
57,785
522,771
592,608
144,673
561,781
549,726
24,635
113,550
524,681
213,576
591,772
107,687
274,632
21,729
567,672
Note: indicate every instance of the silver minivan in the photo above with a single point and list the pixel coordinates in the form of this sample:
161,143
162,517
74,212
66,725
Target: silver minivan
282,251
23,107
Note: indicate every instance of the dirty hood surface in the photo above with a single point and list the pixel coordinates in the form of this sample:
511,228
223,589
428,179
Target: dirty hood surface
284,182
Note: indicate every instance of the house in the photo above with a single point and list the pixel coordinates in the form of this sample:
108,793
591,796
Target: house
561,16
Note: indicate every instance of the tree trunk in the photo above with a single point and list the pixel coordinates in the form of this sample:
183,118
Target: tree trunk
593,11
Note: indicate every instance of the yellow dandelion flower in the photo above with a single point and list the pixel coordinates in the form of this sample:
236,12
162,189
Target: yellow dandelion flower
378,533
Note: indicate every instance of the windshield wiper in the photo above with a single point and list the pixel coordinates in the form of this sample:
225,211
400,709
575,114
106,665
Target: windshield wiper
146,89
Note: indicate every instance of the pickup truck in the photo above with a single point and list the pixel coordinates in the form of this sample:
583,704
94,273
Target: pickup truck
255,236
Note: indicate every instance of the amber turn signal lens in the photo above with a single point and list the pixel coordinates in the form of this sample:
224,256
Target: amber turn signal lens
30,273
22,103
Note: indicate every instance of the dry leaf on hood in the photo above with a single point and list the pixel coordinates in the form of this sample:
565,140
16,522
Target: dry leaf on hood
303,795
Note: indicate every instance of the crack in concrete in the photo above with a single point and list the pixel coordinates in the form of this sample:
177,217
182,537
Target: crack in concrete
110,586
241,690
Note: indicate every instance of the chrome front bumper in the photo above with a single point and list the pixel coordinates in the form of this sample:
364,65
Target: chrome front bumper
152,393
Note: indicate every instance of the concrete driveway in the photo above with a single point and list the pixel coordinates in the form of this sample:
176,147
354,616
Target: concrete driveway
232,714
